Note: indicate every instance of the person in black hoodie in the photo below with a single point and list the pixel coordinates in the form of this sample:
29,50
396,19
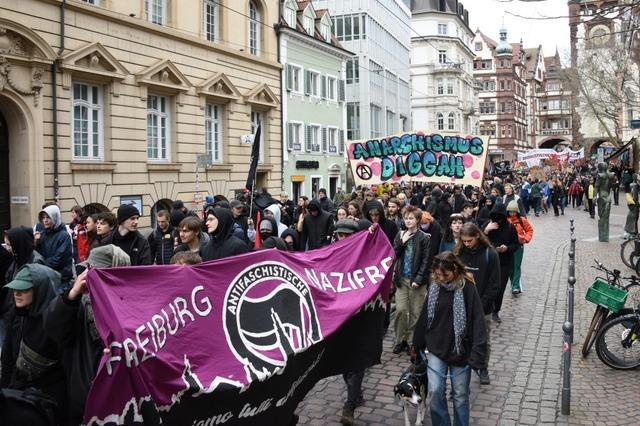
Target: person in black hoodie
292,239
451,327
481,260
504,238
69,321
30,358
317,227
374,212
128,238
222,243
22,247
432,204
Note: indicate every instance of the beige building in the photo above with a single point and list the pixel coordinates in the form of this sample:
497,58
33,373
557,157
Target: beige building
140,88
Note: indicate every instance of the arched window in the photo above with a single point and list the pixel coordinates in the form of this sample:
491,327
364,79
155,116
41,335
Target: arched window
440,119
254,28
452,121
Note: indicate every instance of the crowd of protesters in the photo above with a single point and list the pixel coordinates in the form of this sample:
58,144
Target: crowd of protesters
456,248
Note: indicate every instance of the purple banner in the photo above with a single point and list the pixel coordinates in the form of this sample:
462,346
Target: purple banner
235,341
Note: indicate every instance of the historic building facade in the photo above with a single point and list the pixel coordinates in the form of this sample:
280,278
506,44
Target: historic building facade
444,94
313,100
104,102
500,73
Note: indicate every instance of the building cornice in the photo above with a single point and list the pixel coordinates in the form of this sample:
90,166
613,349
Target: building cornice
441,38
164,31
448,14
312,41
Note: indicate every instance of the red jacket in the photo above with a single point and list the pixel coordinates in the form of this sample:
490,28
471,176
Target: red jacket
82,241
523,228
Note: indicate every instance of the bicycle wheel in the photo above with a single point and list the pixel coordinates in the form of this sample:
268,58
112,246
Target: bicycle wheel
626,251
633,298
609,345
590,338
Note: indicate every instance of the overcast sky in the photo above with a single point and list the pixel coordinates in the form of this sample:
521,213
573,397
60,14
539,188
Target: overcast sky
488,15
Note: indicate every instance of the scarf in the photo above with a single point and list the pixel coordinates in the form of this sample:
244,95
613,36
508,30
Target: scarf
459,310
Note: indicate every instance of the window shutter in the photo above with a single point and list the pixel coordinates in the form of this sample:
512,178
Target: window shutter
340,141
341,91
324,139
307,82
289,136
323,84
307,139
289,78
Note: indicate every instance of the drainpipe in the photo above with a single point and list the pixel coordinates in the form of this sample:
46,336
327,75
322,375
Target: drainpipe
54,82
282,117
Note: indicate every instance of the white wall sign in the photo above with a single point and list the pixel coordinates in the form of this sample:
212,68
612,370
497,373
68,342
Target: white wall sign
21,199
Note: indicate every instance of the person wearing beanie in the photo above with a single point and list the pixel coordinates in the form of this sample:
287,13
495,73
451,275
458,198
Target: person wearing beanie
344,228
128,238
525,234
70,322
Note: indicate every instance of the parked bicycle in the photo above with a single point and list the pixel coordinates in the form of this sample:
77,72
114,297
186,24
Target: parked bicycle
610,293
618,341
630,252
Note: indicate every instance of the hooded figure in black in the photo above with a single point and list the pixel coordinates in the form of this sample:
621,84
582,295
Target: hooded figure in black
432,205
294,245
70,322
222,242
504,238
317,227
23,249
30,358
389,227
267,228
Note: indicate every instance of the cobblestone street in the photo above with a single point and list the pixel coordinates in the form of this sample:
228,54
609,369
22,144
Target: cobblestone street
526,350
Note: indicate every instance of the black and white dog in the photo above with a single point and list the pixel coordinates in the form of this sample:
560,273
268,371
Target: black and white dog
412,389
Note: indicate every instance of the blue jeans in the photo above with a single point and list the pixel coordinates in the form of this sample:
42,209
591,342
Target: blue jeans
437,372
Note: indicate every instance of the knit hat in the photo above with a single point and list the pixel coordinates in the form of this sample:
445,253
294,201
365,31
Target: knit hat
126,211
513,206
107,257
346,226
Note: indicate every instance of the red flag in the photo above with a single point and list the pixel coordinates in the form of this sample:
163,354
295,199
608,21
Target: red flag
258,243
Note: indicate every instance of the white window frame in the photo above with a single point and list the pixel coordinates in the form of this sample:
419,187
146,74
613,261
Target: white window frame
439,86
451,121
254,41
450,87
443,26
355,70
149,4
259,116
325,30
299,71
316,137
442,56
309,25
332,140
299,133
92,106
332,80
166,115
290,14
314,89
376,131
216,20
355,107
214,131
440,121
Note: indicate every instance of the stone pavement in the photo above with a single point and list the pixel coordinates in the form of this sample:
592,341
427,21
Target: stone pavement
525,366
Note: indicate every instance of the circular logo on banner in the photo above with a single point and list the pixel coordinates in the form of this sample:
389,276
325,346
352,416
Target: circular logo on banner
268,315
364,172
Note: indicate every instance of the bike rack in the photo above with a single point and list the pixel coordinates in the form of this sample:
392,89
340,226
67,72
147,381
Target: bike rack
567,327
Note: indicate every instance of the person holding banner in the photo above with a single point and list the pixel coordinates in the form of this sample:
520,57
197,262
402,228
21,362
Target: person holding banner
222,242
451,328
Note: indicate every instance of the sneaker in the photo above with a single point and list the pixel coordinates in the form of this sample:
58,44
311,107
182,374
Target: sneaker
495,317
483,374
515,292
400,347
347,416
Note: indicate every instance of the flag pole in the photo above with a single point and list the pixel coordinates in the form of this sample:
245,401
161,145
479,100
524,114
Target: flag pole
257,135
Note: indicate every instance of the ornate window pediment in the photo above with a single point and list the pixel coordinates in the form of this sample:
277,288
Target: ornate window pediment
262,97
95,61
163,76
219,88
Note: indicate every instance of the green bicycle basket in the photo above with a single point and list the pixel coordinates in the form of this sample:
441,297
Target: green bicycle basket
610,296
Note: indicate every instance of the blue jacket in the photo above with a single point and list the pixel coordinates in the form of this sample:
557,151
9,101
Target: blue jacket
55,245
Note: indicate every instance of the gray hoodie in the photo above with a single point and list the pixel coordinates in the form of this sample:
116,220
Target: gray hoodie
273,208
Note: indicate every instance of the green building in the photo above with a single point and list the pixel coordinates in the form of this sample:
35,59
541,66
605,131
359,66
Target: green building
313,101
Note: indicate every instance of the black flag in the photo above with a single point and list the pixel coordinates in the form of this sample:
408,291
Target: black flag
255,155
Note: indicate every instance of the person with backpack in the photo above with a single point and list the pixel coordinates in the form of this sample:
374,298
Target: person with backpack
525,234
31,361
481,260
